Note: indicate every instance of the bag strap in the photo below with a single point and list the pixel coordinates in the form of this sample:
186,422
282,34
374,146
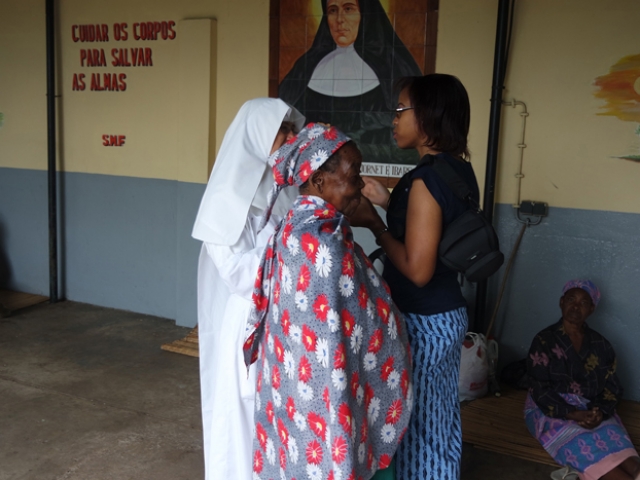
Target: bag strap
455,182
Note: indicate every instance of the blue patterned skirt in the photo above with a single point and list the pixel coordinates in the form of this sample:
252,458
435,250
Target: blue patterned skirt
593,452
432,445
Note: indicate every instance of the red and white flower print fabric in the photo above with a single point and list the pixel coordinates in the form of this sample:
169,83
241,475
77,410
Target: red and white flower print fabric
334,396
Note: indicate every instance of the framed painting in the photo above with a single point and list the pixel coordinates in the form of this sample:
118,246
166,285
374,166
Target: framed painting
337,61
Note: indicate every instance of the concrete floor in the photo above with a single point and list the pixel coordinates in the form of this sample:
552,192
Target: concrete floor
87,394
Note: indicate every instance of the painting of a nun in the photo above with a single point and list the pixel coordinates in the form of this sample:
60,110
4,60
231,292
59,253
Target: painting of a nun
346,77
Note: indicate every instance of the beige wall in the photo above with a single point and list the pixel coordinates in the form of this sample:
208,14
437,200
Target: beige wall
23,137
148,111
558,49
466,35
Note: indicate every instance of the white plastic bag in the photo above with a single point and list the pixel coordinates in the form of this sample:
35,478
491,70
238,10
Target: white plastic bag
474,368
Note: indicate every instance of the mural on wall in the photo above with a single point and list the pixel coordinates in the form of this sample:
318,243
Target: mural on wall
620,88
338,60
107,53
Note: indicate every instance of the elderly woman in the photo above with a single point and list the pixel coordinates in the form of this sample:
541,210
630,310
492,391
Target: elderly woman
227,221
333,391
574,391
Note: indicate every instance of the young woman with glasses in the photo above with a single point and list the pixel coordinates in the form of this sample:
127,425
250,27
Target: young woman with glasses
432,117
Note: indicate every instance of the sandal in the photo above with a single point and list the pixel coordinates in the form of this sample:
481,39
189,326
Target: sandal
565,473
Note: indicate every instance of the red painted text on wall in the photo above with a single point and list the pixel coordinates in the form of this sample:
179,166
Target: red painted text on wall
113,140
141,31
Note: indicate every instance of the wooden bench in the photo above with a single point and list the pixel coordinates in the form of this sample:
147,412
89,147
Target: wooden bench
497,424
188,345
10,301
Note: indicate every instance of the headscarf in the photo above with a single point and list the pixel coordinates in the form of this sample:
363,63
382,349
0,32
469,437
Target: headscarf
586,285
297,159
380,47
238,180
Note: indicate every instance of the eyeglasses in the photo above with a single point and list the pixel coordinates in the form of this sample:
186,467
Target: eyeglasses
399,110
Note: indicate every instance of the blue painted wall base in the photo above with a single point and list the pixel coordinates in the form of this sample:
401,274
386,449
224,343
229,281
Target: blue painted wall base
126,243
571,243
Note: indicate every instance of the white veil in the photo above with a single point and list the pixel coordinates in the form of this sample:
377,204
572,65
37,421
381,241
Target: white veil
240,178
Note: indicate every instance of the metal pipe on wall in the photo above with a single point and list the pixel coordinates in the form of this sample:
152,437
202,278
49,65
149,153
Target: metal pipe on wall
497,86
51,153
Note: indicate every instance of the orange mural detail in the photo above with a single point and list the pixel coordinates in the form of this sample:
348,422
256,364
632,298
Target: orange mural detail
620,88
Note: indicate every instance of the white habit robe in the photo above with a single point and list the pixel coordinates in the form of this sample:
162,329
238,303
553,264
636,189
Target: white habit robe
226,276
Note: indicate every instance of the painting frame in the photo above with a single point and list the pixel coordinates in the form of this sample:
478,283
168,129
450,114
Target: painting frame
415,20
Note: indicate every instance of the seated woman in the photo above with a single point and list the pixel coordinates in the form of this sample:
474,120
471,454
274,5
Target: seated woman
333,390
574,391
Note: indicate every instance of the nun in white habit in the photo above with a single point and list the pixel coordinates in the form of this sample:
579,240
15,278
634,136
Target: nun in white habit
227,222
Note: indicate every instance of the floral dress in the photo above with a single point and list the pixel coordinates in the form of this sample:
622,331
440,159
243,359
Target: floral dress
334,393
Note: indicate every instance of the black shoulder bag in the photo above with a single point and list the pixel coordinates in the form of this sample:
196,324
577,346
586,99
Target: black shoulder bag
469,244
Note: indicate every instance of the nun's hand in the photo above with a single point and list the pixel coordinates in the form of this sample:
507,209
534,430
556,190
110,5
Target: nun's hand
377,193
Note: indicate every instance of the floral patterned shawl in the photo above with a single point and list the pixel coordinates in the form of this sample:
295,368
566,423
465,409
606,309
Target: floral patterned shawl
334,394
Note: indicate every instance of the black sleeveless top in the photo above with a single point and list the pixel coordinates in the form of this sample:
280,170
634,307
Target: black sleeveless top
442,293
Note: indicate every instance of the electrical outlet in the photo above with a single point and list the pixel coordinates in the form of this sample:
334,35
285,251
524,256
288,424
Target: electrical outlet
535,209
